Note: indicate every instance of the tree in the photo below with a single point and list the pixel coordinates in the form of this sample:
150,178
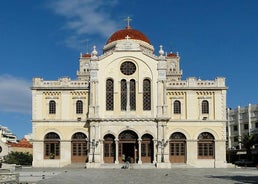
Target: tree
18,158
248,141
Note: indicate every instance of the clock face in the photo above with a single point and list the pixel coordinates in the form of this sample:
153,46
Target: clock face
127,68
86,66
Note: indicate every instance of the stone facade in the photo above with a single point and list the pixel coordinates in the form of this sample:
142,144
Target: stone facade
129,103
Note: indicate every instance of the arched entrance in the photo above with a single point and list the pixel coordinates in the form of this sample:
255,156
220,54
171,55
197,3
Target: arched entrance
79,148
177,145
109,148
147,148
128,146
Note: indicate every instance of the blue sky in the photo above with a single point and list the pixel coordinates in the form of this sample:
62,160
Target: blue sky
45,38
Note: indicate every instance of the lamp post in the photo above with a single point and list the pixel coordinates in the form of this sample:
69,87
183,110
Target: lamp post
162,144
94,144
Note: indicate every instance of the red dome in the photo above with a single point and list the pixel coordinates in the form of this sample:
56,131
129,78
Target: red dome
132,33
86,55
171,55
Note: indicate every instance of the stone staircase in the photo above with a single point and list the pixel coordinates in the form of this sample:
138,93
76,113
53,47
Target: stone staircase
129,166
76,165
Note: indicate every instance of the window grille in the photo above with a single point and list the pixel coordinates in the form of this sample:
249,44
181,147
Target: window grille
127,68
123,95
205,107
132,95
79,107
52,107
206,146
109,95
177,107
146,94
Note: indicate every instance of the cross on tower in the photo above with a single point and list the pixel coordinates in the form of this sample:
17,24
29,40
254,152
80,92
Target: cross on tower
128,19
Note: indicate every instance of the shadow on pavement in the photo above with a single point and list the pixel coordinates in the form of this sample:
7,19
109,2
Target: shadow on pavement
239,179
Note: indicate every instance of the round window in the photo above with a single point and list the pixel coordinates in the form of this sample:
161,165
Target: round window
128,68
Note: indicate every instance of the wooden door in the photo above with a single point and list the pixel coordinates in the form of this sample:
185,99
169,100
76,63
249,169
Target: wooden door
147,151
79,151
177,152
109,152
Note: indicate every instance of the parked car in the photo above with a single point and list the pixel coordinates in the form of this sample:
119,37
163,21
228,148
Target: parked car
244,162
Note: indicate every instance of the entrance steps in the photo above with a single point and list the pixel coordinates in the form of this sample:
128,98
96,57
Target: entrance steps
76,165
130,166
179,165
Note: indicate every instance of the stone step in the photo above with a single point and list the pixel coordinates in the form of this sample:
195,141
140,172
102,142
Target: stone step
76,165
128,166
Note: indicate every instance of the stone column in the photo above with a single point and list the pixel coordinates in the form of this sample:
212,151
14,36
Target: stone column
165,105
159,98
140,151
155,142
91,105
101,151
96,100
117,144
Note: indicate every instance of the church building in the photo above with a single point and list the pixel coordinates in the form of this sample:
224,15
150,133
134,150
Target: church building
129,103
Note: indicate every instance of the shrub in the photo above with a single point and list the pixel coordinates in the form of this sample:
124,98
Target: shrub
18,158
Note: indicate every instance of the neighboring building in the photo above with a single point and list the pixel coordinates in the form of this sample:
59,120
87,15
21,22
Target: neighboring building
22,146
129,102
6,136
241,121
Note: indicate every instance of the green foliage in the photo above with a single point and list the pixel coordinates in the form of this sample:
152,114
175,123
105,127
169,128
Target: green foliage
18,158
248,141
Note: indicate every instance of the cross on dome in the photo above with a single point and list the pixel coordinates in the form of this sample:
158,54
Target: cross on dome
128,19
127,37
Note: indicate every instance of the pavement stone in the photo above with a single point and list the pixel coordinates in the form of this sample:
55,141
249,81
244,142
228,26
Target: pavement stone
139,176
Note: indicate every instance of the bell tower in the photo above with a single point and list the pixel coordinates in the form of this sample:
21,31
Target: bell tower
173,67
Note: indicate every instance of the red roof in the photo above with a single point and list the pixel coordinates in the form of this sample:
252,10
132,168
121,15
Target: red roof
22,143
132,33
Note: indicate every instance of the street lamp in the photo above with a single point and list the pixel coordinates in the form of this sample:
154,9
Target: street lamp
94,144
162,144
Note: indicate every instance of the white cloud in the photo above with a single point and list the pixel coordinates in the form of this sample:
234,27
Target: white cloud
15,94
86,18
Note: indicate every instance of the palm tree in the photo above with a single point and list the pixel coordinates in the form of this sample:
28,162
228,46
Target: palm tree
248,141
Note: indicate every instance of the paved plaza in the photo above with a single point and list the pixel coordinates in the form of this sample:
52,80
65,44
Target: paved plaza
138,176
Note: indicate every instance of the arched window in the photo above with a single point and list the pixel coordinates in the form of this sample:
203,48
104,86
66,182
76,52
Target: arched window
109,148
132,95
146,94
52,107
205,107
109,95
123,94
147,148
79,146
206,146
79,107
52,146
177,107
